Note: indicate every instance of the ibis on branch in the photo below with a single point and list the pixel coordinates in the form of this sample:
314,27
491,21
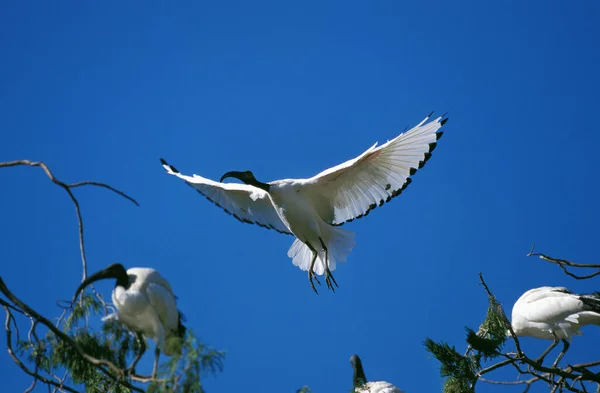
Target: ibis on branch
554,313
313,209
145,304
361,385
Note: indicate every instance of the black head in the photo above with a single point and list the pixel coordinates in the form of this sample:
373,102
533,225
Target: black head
359,378
116,271
247,177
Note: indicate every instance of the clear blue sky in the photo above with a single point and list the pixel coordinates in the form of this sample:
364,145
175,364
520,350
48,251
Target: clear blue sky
100,92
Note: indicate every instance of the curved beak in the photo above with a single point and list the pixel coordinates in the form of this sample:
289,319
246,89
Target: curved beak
235,174
109,272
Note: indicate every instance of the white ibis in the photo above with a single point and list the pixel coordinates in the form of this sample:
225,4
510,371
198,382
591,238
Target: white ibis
145,304
312,209
554,313
361,385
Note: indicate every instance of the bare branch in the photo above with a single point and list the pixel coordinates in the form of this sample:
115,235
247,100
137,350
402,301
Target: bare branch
18,361
98,363
563,263
67,188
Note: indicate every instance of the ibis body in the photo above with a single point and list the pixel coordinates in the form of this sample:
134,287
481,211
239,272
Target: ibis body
145,304
313,209
361,385
554,313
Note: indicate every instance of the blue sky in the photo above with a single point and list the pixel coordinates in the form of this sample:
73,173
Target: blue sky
100,92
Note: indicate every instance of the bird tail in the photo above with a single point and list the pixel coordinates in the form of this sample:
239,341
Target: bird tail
174,344
591,301
339,242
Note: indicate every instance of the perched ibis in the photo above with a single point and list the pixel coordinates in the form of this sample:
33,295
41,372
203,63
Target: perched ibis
313,209
145,304
361,385
554,313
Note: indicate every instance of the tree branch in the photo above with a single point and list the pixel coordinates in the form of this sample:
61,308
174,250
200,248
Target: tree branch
98,363
563,263
67,188
575,373
35,375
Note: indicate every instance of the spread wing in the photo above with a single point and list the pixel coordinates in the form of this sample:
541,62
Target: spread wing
354,188
247,203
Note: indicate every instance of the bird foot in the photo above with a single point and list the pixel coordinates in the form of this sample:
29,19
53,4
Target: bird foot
311,276
330,280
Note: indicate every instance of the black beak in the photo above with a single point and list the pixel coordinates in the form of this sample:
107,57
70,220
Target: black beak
236,174
113,271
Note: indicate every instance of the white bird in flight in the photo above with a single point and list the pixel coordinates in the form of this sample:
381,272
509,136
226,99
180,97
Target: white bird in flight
313,209
145,304
361,385
554,313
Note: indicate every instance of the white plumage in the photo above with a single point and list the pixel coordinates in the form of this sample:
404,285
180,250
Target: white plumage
554,313
360,383
312,209
145,304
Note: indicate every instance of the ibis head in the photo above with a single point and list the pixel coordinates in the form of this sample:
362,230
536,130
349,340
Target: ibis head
359,377
116,271
247,177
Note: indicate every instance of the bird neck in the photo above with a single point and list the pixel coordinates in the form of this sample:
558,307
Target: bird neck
359,378
263,186
122,280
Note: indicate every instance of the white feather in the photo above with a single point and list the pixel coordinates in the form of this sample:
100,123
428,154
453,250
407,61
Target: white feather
148,306
246,203
311,208
378,387
540,312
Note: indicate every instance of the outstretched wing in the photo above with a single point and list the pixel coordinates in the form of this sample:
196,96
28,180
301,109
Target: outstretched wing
247,203
354,188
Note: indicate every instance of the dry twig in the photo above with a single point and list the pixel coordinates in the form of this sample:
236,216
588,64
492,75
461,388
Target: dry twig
107,368
563,264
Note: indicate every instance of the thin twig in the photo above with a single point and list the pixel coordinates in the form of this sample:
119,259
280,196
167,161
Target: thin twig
98,363
562,263
67,188
18,361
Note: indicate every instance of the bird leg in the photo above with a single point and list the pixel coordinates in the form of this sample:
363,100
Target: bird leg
155,368
311,271
541,358
329,279
562,353
142,341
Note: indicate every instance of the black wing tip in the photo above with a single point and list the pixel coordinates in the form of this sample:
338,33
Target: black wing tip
412,171
372,206
171,167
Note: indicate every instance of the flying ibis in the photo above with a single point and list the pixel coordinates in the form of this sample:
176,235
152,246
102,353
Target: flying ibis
145,304
554,313
361,385
313,209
